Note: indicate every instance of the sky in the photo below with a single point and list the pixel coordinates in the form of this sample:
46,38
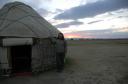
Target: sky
84,18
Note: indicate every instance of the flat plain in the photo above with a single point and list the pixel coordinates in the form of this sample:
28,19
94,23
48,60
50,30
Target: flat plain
87,62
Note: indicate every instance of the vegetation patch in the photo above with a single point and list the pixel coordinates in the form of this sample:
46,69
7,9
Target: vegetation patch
69,61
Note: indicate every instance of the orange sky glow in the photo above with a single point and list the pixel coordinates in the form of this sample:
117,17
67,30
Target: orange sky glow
72,36
69,35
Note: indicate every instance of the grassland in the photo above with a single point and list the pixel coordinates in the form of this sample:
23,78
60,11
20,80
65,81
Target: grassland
87,62
100,61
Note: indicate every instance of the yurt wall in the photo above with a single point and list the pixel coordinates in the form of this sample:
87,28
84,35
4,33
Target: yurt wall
43,55
4,60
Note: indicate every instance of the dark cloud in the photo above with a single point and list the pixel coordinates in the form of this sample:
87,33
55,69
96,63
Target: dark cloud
63,25
92,9
123,16
59,10
95,21
43,12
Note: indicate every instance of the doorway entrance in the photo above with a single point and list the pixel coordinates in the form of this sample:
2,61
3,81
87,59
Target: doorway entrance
21,58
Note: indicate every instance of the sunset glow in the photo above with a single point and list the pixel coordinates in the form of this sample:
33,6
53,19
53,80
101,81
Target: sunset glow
72,36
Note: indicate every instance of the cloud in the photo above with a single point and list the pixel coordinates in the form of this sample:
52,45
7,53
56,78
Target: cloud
43,12
64,25
95,21
93,9
125,29
2,2
58,11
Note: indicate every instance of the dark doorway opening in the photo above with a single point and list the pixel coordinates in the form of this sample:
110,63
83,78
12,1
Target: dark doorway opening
21,58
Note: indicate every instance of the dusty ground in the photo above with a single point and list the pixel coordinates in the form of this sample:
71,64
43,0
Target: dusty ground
88,62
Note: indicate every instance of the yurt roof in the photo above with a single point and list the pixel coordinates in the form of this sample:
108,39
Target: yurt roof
20,20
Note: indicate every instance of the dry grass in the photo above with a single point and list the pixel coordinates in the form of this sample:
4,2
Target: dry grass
87,62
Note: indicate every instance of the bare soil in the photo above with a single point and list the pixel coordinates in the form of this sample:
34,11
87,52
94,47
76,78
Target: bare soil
87,62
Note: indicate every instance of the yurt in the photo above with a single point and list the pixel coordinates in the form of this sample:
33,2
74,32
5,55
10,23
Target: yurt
26,40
